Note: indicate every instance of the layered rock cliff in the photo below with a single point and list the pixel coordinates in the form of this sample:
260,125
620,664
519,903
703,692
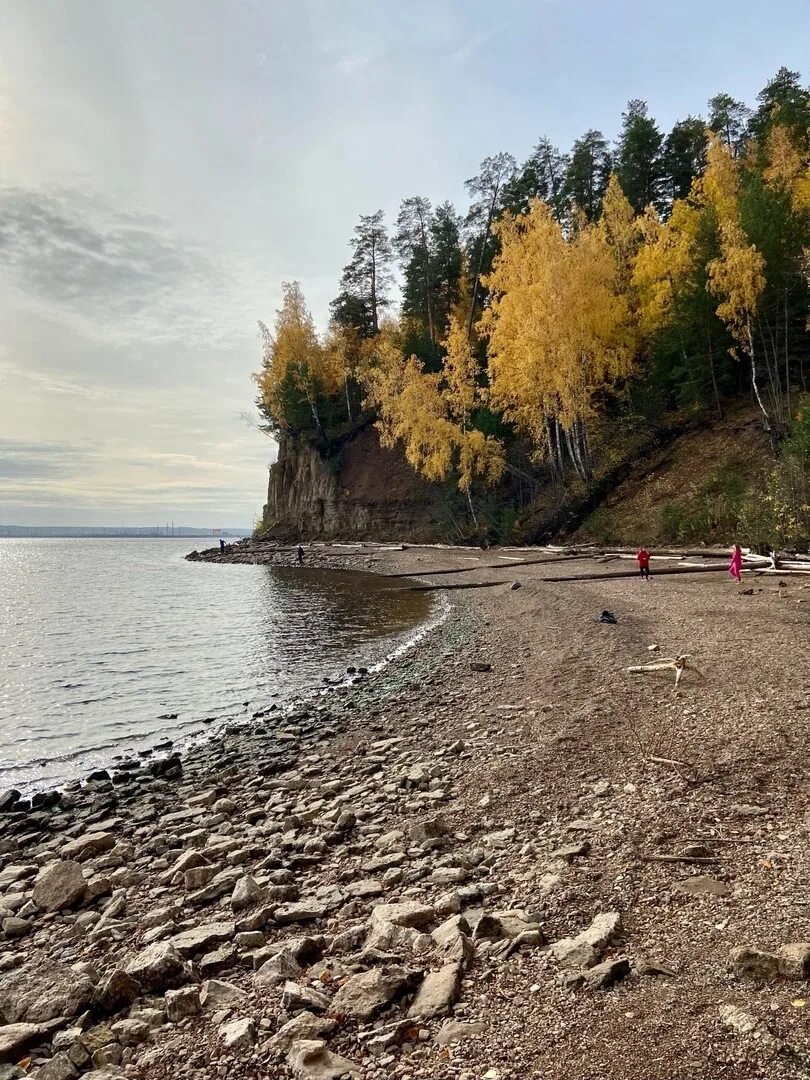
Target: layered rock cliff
364,492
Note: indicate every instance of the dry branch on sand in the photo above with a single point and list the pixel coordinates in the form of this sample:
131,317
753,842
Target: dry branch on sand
678,664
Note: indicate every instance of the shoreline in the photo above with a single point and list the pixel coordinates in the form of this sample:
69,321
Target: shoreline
504,790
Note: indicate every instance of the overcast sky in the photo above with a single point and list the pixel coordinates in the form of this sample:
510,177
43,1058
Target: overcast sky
167,163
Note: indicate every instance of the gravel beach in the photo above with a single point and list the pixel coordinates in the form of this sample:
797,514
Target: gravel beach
503,857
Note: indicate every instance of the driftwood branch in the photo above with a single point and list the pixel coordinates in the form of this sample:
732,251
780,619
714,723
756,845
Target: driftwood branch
678,664
679,858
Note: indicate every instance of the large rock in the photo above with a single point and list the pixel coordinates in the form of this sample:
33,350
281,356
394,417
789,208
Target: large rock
217,994
40,992
794,960
295,998
305,1025
364,995
159,967
116,990
585,949
16,1038
182,1003
408,913
750,963
88,845
438,993
246,892
309,1059
238,1034
202,938
607,973
59,885
60,1067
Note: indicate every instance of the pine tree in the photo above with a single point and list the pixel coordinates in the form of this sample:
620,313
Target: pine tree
542,176
786,102
412,243
447,264
684,157
487,189
366,279
587,175
639,160
728,119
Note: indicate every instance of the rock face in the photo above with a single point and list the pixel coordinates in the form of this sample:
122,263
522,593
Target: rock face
40,993
374,495
60,885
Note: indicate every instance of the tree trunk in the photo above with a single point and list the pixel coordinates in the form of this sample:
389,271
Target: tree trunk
375,326
428,283
766,418
715,389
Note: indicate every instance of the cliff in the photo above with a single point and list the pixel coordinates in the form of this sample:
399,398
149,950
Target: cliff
364,492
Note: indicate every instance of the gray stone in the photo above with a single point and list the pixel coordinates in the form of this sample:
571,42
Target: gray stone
217,994
40,992
584,949
59,885
131,1032
428,829
16,928
60,1067
159,967
794,960
116,990
278,969
182,1003
409,913
749,963
305,1025
438,993
295,998
16,1038
85,847
202,938
246,892
702,885
305,911
238,1034
309,1059
607,973
453,1031
366,994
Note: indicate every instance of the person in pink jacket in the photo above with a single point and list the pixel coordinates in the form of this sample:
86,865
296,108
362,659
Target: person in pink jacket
735,566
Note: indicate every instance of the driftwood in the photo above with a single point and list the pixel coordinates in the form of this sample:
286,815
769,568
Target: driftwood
455,585
670,761
679,858
714,569
678,664
489,566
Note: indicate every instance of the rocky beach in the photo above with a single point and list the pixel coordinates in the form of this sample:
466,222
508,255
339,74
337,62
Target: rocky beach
501,857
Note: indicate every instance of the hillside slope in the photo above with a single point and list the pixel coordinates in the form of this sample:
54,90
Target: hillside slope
690,490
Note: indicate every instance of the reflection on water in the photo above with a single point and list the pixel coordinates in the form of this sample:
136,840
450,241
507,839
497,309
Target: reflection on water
101,640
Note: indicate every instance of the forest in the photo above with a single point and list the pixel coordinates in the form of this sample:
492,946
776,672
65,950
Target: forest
586,306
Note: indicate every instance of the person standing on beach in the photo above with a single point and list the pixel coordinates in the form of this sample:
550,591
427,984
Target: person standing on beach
735,566
221,545
300,554
643,560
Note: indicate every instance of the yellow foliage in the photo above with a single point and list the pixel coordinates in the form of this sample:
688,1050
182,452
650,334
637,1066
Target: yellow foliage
559,324
665,261
429,412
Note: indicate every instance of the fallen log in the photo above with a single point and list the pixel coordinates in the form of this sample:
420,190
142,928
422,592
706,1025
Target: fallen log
713,569
454,585
679,858
489,566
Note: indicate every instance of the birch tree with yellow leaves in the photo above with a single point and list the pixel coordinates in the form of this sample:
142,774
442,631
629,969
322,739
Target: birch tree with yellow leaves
559,332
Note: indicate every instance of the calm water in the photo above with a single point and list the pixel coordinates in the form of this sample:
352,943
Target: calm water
100,638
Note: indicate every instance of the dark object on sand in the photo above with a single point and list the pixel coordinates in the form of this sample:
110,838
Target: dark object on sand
608,617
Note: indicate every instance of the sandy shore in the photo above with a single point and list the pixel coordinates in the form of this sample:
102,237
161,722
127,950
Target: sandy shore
448,872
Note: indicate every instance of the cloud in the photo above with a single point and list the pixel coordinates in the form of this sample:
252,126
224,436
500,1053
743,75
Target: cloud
120,277
33,461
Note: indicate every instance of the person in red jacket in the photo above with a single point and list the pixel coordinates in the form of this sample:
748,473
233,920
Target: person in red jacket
643,560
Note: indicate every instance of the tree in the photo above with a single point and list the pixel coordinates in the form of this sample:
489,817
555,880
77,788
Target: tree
559,332
294,380
430,413
487,190
447,264
366,279
412,242
587,175
728,119
684,156
639,161
786,102
542,176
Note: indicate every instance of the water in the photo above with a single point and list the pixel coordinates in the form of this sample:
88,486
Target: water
100,639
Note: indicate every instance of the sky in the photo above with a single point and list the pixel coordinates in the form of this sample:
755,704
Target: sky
166,164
